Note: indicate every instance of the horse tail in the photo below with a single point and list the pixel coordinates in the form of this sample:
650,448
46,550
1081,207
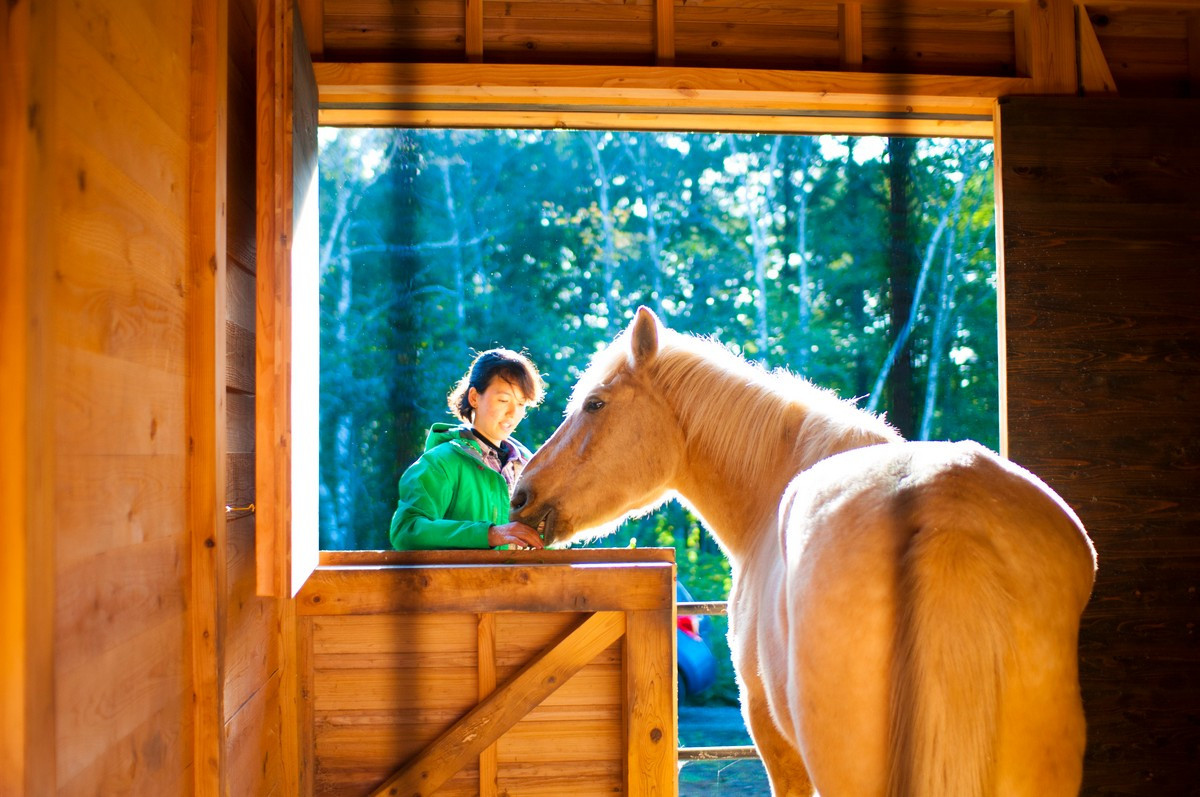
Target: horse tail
953,616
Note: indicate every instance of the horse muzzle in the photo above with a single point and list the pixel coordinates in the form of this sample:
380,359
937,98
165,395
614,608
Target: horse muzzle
542,517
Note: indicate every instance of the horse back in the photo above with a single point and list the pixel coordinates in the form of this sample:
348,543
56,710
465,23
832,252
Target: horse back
916,581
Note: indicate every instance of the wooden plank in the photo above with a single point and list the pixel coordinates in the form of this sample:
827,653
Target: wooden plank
1052,46
27,585
476,589
152,151
108,697
1094,75
118,502
850,35
650,695
486,665
240,354
664,32
206,390
270,490
653,89
577,556
312,16
157,747
474,31
143,410
252,744
1193,50
137,42
305,713
251,656
109,599
505,706
815,124
1102,355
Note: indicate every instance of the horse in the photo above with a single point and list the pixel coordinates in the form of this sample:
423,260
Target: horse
903,616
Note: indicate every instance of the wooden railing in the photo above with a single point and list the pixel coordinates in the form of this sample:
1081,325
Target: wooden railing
487,672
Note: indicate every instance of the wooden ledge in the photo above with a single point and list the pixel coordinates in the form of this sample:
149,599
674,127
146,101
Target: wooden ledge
585,580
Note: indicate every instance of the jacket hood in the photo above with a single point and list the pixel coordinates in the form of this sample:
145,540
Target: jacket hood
460,434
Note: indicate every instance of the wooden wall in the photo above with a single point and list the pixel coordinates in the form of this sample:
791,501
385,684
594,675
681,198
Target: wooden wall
132,663
251,655
105,255
1101,262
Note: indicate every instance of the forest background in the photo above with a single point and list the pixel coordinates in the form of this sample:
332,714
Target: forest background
866,265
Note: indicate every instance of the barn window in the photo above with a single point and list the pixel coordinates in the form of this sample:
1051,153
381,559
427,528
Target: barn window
865,263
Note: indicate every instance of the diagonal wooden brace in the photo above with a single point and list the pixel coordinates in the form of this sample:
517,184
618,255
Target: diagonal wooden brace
503,708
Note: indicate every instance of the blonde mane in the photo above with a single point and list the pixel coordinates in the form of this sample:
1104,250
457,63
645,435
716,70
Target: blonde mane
723,401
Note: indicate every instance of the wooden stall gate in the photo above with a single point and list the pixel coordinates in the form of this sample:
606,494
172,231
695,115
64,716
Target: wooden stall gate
489,672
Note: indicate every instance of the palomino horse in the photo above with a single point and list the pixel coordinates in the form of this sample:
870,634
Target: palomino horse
904,616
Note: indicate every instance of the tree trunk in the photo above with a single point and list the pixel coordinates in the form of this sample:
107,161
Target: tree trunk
903,272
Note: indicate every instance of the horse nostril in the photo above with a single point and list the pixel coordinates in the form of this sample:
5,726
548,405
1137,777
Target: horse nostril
520,499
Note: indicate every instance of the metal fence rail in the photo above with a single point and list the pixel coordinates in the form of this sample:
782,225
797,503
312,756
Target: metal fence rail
731,753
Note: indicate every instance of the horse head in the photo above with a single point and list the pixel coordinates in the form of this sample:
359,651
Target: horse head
616,451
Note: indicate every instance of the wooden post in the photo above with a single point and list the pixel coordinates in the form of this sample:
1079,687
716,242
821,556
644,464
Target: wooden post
651,741
850,35
473,38
486,664
664,32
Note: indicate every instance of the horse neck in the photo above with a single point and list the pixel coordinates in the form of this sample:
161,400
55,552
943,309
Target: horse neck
746,444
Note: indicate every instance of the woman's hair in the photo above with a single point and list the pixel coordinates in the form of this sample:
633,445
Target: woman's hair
510,366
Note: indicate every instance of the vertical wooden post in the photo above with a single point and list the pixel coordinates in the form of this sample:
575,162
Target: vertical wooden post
664,32
28,215
1193,49
1053,59
850,36
206,387
473,38
489,764
651,742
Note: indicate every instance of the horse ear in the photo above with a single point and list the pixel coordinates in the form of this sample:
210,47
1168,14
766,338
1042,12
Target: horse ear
644,336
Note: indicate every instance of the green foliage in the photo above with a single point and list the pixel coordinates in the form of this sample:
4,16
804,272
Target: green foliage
440,243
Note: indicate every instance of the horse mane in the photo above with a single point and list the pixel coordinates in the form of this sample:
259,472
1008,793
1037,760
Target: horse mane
725,402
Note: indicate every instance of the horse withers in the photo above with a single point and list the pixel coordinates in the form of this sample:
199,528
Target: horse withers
904,616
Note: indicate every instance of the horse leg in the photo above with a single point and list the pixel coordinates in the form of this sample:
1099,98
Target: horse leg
785,767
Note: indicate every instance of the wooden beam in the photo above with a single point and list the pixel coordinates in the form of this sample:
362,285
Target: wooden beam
652,120
1095,77
650,709
504,707
1193,39
1051,44
664,32
312,17
470,588
206,388
659,98
548,556
474,31
850,35
28,213
489,763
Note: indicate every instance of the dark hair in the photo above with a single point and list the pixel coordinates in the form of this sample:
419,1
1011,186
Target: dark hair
509,365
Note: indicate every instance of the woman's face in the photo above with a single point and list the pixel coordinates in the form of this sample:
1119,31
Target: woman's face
498,409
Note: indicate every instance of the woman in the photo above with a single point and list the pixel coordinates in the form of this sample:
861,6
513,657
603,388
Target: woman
456,494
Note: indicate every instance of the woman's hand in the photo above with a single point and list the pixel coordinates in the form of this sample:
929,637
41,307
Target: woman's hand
516,534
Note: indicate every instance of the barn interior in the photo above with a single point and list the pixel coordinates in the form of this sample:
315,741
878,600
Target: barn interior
160,637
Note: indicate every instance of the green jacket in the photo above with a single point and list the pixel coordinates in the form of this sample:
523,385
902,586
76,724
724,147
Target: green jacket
450,496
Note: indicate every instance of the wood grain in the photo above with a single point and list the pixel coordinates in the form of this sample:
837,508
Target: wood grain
505,706
1101,326
473,589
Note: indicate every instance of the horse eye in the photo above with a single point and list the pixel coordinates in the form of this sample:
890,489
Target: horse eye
593,405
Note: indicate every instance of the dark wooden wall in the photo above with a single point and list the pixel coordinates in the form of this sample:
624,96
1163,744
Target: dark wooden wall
1101,216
